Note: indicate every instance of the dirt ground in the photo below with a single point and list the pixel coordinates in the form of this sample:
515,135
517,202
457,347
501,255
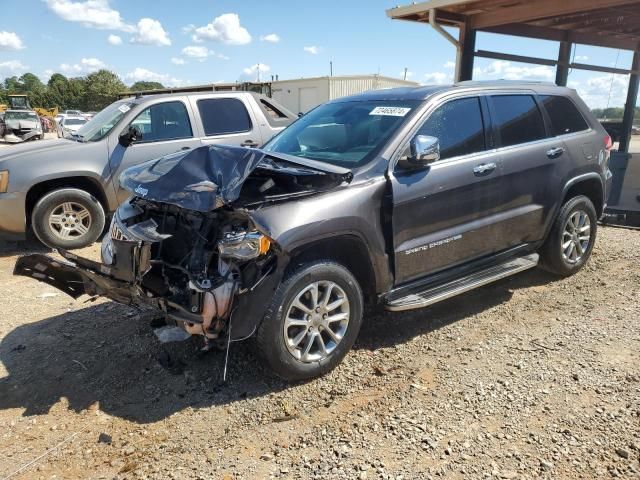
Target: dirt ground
530,377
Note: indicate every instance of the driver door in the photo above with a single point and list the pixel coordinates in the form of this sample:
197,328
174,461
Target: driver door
166,128
445,213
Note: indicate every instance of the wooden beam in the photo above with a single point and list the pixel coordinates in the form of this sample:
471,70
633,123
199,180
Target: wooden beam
545,33
516,58
540,9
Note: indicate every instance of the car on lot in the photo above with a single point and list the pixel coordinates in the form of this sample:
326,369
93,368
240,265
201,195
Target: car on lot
395,198
65,189
69,125
22,126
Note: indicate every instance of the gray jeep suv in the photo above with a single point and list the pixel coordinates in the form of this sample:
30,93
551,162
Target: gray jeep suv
395,198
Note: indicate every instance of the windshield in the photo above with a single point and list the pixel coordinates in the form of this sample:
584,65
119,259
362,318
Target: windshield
21,116
346,134
100,125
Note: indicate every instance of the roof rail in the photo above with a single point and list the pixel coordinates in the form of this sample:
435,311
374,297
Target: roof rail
504,82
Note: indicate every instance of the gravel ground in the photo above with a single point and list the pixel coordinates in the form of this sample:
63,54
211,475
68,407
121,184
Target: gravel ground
532,377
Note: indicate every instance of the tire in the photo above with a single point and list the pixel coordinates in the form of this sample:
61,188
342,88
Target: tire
289,362
578,242
69,212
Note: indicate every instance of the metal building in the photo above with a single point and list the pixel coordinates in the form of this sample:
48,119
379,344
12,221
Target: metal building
303,94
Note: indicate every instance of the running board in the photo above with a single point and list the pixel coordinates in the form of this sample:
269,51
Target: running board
464,284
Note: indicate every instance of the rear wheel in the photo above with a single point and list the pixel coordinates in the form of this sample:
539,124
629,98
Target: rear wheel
572,238
312,322
68,218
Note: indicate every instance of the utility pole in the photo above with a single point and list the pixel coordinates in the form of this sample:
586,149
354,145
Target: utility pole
258,72
405,72
331,68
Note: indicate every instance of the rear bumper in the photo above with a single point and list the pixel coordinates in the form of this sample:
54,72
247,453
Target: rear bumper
12,216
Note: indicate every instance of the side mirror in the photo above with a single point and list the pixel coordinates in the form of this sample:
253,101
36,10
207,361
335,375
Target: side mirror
424,150
129,136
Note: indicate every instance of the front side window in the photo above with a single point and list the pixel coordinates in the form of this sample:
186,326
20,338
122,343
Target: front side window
163,121
345,134
224,116
565,117
518,119
458,126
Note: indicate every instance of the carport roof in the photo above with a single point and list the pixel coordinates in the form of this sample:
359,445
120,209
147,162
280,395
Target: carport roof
606,23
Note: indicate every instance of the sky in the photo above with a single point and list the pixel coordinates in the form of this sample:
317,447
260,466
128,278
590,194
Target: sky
192,42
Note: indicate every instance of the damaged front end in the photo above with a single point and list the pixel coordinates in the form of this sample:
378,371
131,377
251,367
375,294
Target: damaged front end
186,244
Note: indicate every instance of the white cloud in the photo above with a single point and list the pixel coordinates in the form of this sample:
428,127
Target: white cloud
188,28
150,32
178,61
254,71
581,58
197,52
224,29
450,64
595,90
313,50
10,41
201,53
114,40
142,74
437,78
505,70
271,38
91,13
86,65
12,67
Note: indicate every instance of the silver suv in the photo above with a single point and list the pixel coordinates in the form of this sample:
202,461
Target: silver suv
64,189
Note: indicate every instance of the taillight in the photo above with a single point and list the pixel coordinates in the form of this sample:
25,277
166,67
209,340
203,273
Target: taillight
608,144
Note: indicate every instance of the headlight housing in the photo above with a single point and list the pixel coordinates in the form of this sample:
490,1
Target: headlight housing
244,245
4,180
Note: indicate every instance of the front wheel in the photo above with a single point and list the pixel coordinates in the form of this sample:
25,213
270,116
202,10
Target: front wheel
572,238
312,322
68,218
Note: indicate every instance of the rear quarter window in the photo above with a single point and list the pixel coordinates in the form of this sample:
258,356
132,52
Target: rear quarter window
564,115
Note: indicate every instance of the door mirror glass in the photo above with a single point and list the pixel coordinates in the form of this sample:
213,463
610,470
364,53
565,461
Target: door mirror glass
130,135
423,150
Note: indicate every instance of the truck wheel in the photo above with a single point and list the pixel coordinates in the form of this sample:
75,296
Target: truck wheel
571,239
68,218
312,321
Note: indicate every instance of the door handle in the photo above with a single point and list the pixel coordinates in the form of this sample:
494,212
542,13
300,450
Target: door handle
484,168
249,143
185,148
555,152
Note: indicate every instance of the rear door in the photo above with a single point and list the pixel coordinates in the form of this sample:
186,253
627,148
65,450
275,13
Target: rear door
227,120
448,213
166,128
533,162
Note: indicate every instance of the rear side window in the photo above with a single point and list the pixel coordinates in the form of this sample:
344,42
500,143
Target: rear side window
223,116
518,119
459,127
564,115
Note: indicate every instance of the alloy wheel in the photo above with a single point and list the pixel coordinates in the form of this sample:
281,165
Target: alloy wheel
316,321
576,237
70,220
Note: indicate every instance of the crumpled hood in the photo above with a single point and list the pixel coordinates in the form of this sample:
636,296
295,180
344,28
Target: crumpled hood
20,124
209,177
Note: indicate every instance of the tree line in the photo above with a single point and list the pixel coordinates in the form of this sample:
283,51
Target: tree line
90,93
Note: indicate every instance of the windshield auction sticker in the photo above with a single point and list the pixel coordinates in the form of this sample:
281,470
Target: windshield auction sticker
124,108
390,111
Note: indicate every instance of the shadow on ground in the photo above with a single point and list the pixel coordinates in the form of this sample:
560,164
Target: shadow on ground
31,245
106,353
